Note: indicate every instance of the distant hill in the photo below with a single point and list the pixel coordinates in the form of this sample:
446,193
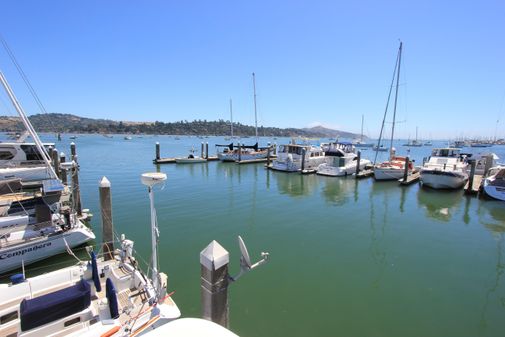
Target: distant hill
67,123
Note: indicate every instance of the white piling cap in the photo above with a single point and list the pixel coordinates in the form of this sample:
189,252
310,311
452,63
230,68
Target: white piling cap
214,256
152,178
72,144
62,154
104,183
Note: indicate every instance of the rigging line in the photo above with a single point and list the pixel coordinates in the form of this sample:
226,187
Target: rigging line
25,78
386,110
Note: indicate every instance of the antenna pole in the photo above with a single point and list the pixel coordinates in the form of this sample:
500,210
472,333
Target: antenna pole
396,98
154,242
255,112
28,126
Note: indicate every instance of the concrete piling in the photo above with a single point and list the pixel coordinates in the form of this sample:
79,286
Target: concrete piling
304,151
268,156
63,173
239,152
107,224
158,151
406,169
207,150
203,149
358,162
73,152
473,165
56,162
76,192
214,282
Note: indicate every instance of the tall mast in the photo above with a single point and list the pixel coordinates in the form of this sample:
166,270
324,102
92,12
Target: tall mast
255,112
416,133
396,97
28,126
362,119
231,118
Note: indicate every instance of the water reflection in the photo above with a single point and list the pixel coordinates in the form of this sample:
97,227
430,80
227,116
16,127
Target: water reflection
337,191
296,185
439,204
492,215
194,170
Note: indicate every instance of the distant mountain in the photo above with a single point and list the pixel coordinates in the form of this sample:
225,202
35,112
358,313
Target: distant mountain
330,133
67,123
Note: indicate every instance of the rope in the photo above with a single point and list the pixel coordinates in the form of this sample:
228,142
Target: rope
70,252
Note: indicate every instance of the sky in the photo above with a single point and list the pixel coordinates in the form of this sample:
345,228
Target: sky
316,62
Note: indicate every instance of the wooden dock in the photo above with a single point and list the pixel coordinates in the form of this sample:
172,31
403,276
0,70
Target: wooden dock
476,181
411,178
255,161
364,174
172,160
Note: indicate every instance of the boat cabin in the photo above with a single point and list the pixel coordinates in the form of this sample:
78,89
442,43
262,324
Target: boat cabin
446,152
21,154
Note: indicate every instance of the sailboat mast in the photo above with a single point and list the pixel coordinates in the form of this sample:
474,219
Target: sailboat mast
396,97
362,120
255,112
231,118
28,126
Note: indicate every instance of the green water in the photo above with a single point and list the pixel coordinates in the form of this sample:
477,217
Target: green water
347,258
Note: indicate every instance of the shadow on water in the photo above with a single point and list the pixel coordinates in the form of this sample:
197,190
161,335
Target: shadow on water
439,204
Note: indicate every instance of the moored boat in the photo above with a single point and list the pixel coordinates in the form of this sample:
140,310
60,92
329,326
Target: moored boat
296,158
445,169
493,184
340,160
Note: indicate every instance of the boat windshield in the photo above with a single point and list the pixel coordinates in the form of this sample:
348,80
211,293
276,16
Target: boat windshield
445,152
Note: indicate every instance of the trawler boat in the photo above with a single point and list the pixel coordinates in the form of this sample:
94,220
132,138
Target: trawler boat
295,158
445,169
108,296
494,183
340,160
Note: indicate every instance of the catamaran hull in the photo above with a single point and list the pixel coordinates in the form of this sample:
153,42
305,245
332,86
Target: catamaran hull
388,173
333,171
443,179
233,157
38,249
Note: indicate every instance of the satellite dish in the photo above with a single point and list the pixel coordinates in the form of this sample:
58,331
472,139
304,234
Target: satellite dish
244,259
152,178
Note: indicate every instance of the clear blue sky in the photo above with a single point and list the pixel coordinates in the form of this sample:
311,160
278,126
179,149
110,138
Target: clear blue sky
315,61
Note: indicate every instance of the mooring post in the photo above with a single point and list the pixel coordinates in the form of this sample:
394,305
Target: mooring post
214,281
406,170
203,149
473,164
73,153
275,149
303,159
358,162
56,162
207,150
63,173
50,150
107,224
76,191
239,152
268,156
488,164
158,151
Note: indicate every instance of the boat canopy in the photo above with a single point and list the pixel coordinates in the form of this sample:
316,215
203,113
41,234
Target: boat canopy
53,306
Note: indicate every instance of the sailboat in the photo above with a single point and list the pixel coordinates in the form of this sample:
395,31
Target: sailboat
415,142
109,295
232,153
51,231
231,122
394,168
360,142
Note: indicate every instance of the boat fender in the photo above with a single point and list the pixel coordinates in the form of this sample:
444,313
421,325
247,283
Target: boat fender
110,293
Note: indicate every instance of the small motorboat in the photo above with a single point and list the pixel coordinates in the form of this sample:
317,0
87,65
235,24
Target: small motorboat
494,183
190,159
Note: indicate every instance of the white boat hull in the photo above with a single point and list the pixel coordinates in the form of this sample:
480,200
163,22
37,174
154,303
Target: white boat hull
232,157
190,160
388,173
42,248
334,171
495,192
443,179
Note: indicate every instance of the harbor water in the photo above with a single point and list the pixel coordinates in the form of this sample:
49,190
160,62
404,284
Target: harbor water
347,257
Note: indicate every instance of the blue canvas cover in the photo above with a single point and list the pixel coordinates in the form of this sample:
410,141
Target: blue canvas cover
53,306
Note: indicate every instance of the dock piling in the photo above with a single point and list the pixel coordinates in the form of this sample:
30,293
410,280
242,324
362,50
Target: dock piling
206,150
76,192
358,160
158,151
268,156
107,224
239,152
73,152
56,162
473,165
63,173
202,150
406,169
214,282
488,164
304,151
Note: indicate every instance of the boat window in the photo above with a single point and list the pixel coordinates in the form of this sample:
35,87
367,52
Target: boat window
6,155
72,321
31,151
9,317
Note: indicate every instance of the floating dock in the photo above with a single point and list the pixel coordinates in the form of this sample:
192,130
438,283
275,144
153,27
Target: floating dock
172,160
254,161
411,178
364,174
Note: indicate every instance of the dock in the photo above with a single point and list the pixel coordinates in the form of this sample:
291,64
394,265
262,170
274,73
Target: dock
364,174
411,178
475,184
172,160
254,161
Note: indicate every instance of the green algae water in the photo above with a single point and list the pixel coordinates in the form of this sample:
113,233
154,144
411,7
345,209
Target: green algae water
347,257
